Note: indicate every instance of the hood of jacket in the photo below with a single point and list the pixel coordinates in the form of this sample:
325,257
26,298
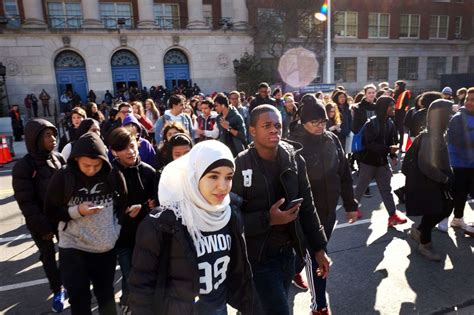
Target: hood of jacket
131,119
84,127
438,116
381,106
365,104
32,131
89,145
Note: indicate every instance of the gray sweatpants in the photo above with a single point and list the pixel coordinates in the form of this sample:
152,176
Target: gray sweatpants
382,175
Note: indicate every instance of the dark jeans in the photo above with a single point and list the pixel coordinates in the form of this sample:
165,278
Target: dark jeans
47,257
428,222
124,256
46,110
79,269
463,186
272,279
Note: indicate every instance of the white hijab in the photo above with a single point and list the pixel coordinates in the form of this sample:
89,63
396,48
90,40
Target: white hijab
178,189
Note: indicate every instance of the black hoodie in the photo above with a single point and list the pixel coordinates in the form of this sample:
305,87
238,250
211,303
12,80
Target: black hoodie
379,135
362,111
31,175
70,187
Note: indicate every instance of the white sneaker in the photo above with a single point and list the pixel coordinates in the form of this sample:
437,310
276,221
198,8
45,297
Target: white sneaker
459,223
443,225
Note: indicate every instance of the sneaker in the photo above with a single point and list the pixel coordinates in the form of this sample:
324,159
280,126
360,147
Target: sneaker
299,282
396,219
415,234
428,251
58,301
367,193
458,223
321,311
469,230
443,226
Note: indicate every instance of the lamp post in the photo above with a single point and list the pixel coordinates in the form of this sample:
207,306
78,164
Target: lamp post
3,72
325,15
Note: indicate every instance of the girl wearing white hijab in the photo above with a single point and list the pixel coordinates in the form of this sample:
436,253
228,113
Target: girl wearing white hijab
190,255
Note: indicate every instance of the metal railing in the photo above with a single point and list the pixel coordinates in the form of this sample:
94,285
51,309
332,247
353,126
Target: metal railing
168,22
117,21
12,21
65,21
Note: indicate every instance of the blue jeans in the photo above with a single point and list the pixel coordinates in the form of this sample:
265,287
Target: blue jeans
272,280
124,255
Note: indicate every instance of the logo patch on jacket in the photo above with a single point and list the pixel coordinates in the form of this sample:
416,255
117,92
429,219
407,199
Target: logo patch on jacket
247,174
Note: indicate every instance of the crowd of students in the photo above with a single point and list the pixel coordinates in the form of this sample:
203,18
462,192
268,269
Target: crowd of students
223,200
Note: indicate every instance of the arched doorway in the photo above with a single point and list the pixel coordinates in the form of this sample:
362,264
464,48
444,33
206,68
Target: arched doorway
176,69
125,70
71,75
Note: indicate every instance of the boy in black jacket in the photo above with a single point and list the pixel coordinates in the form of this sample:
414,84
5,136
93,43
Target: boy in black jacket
268,176
142,186
31,176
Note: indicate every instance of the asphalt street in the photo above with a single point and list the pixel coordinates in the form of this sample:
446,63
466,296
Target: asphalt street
375,270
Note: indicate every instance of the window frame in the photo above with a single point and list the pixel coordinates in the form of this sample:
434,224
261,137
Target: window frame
458,33
438,26
378,25
345,26
345,75
410,26
175,20
376,70
64,17
116,16
406,69
432,73
14,20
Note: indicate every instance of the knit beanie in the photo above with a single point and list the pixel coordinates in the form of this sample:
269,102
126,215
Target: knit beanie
313,109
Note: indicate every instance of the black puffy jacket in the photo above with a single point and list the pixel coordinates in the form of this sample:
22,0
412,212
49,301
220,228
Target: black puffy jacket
142,184
173,287
328,172
306,230
31,176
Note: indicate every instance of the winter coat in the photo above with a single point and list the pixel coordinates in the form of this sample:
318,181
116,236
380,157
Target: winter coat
461,140
145,148
96,233
362,111
379,135
165,278
252,186
31,176
346,125
427,185
142,185
328,173
258,100
418,122
236,144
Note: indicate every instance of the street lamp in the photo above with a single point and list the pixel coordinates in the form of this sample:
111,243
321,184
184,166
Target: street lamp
3,72
323,15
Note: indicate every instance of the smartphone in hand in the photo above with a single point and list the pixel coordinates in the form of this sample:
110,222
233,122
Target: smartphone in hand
293,203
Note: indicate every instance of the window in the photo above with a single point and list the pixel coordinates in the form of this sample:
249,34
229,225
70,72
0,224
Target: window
458,27
207,13
379,24
408,68
439,26
377,69
409,26
345,24
65,14
167,16
455,65
111,12
270,22
345,69
470,65
11,13
436,67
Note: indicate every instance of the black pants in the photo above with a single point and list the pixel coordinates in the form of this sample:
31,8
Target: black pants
35,110
48,259
399,118
46,110
79,269
463,186
428,222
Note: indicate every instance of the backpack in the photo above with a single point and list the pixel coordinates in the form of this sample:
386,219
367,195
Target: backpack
410,162
358,139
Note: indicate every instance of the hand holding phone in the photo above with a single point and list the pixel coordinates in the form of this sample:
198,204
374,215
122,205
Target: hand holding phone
294,203
133,210
89,209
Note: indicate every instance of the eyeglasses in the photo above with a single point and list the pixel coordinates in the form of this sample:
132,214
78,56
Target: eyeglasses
318,123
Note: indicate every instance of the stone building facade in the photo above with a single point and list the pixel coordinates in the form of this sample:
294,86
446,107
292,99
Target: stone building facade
104,45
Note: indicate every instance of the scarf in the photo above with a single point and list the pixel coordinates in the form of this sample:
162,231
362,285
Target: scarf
178,190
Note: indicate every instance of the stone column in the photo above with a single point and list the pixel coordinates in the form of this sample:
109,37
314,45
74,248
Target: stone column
146,14
196,15
90,10
241,15
34,17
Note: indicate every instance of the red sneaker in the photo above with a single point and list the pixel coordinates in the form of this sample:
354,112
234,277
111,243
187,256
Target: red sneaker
396,218
322,311
299,282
